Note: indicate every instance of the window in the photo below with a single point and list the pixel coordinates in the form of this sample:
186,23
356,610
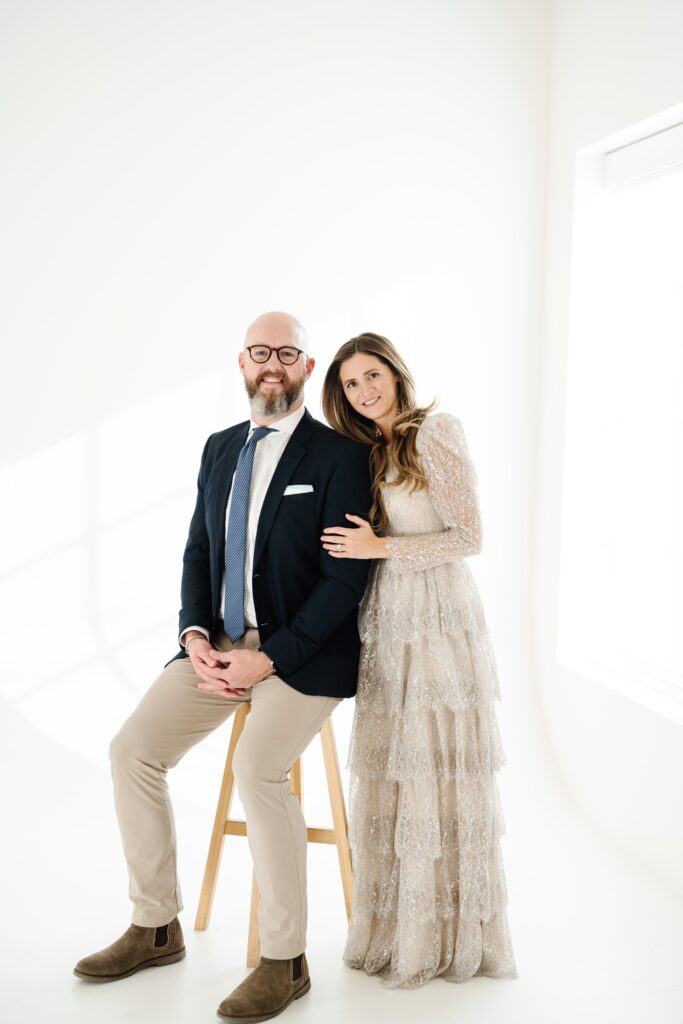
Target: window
621,580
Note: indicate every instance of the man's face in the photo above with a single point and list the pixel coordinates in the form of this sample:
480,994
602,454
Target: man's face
274,387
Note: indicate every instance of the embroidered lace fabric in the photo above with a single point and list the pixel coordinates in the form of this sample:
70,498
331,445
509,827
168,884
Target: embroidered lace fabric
425,818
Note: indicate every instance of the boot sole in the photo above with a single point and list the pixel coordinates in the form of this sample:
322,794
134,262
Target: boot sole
267,1016
157,961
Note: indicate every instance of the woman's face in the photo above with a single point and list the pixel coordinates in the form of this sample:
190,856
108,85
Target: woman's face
369,386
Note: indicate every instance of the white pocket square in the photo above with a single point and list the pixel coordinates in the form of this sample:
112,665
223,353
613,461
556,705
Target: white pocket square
298,489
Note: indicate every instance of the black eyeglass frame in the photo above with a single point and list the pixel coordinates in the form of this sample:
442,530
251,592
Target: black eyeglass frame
299,352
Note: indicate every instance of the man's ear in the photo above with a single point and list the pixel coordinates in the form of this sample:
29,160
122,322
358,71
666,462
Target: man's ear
241,361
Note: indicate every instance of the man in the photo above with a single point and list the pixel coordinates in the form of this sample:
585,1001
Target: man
267,615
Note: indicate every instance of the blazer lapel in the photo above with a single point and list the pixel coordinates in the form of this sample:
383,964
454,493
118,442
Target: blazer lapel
289,460
224,468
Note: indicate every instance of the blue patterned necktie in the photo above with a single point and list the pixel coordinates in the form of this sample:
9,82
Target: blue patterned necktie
236,541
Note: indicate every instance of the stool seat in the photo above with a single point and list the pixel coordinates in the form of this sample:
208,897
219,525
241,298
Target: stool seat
224,826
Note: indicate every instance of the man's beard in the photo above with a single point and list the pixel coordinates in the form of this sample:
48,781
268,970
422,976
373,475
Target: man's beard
276,404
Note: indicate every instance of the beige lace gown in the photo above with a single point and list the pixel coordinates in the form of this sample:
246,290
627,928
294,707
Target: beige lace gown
425,818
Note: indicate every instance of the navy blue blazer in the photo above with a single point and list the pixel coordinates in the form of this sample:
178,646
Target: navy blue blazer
306,601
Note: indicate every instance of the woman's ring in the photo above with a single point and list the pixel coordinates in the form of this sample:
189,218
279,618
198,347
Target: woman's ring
338,547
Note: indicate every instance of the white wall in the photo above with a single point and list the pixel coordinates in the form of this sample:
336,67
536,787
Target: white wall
613,64
170,171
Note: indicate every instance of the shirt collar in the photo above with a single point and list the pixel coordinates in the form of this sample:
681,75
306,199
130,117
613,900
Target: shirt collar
288,423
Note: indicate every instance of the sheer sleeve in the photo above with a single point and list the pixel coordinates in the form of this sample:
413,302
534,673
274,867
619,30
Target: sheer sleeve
452,482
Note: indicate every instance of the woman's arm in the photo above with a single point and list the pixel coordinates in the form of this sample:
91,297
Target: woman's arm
452,482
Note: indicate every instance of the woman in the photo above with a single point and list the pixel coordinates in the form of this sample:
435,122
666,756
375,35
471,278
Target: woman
425,816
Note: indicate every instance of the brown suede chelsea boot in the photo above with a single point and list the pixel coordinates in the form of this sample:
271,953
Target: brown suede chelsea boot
267,991
136,949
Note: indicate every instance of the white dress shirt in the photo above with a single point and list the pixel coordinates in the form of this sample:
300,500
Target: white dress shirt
266,457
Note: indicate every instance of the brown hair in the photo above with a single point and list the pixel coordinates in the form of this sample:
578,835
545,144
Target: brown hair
343,418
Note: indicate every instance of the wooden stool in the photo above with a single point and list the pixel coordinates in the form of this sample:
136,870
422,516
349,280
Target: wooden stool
225,826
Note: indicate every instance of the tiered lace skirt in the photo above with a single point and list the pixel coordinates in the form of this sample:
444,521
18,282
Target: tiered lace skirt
425,817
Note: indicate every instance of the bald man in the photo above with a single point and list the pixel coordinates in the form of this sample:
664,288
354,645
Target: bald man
267,615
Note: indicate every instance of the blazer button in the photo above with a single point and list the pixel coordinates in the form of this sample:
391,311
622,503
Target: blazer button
256,574
264,624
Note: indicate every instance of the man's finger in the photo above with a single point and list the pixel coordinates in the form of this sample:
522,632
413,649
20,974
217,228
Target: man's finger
222,656
211,684
209,672
211,662
217,673
201,659
221,690
207,679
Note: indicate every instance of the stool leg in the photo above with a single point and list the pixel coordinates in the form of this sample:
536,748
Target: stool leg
341,826
213,859
297,781
253,941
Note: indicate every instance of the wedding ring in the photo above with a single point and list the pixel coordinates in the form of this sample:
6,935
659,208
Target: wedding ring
338,547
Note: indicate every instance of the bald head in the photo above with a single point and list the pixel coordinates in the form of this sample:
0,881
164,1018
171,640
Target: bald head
276,329
275,387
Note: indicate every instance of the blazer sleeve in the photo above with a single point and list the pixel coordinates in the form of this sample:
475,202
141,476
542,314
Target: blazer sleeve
452,483
195,586
342,580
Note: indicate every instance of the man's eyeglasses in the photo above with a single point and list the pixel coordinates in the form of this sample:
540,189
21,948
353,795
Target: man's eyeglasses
287,354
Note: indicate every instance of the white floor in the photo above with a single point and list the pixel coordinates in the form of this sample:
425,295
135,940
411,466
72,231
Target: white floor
597,939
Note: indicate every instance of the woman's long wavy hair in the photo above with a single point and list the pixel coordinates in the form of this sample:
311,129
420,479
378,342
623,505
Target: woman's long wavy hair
343,418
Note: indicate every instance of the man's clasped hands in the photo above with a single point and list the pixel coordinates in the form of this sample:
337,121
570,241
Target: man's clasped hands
227,673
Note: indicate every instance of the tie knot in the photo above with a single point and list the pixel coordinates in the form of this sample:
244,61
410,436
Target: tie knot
260,432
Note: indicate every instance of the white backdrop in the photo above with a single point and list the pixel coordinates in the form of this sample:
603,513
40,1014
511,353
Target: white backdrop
169,172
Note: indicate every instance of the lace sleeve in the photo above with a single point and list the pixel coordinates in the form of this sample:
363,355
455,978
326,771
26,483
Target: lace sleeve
452,482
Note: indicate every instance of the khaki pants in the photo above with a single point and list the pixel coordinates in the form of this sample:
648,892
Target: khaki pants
171,718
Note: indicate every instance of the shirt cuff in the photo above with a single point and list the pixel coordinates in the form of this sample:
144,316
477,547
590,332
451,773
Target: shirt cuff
199,629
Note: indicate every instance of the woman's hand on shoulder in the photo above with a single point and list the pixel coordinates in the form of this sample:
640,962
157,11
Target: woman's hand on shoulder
354,542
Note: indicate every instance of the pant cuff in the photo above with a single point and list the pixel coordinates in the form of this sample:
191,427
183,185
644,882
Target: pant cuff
282,950
154,919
